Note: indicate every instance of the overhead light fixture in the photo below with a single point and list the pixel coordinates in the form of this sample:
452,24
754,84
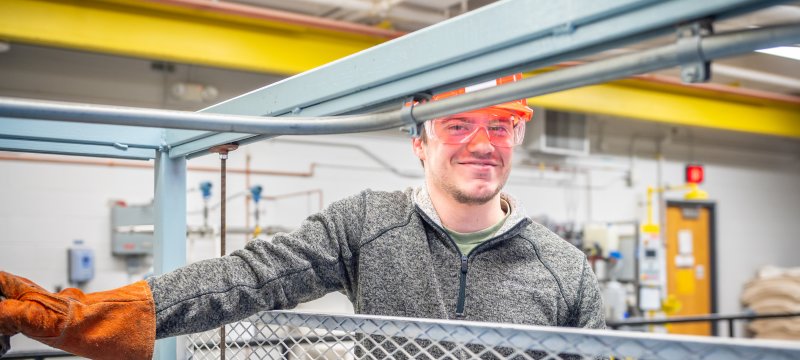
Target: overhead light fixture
791,52
193,92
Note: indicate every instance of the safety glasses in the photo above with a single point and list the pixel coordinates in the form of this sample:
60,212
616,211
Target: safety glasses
502,129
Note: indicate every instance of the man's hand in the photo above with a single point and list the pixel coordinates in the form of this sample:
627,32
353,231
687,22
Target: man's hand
116,324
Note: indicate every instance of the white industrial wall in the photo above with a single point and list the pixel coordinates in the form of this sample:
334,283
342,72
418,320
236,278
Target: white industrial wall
754,180
46,206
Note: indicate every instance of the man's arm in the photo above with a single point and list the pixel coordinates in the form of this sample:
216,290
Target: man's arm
293,268
590,310
123,323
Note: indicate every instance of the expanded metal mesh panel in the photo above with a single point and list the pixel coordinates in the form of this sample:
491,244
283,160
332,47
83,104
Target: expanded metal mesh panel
291,335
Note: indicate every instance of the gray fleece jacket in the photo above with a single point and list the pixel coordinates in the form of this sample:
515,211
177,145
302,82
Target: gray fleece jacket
388,252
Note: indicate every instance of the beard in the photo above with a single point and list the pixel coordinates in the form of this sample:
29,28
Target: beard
472,199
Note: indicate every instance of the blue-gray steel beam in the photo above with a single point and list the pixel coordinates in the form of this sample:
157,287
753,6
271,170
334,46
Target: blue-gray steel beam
170,228
95,134
48,147
504,37
686,50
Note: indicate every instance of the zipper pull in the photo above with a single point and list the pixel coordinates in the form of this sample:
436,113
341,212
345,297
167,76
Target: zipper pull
462,288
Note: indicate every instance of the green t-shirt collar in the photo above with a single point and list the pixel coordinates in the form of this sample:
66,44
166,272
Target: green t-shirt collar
466,242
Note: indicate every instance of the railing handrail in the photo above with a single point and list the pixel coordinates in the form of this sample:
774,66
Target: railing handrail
698,318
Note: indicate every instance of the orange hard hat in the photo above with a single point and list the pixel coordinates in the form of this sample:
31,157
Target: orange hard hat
518,107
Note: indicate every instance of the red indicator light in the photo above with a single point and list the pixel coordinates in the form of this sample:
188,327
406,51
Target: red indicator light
694,173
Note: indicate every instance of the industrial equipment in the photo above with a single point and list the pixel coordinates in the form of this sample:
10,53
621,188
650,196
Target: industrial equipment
379,78
132,229
613,253
558,132
81,263
255,194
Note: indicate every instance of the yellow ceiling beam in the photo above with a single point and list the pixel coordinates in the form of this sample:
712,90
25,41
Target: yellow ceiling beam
174,33
197,36
688,106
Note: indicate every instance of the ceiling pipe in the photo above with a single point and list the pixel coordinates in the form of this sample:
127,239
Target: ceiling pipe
757,76
698,49
281,16
721,69
149,165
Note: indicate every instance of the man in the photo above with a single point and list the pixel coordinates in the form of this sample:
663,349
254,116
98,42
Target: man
456,248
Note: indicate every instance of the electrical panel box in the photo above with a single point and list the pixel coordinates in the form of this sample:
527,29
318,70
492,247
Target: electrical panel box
132,229
81,263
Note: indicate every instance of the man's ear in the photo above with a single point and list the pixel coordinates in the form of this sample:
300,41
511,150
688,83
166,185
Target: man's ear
419,147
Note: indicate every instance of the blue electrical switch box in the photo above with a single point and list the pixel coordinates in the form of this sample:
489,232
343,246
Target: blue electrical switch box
81,263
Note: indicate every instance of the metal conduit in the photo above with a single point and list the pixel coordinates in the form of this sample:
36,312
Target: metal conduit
686,50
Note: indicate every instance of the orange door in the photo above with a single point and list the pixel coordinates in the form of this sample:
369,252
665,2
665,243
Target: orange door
689,271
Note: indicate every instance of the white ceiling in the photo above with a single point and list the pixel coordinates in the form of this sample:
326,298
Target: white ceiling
756,71
403,15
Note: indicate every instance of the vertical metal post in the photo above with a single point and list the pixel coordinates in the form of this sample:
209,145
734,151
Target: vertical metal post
169,249
223,157
730,328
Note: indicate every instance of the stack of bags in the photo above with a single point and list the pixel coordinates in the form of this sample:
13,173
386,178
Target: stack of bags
774,290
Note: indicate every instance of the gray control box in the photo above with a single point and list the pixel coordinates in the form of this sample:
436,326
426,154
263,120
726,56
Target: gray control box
132,229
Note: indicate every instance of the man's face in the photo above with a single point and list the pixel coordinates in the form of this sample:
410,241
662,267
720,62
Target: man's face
471,173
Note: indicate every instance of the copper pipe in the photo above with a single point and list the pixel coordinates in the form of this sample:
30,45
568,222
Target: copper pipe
310,172
297,193
147,165
281,16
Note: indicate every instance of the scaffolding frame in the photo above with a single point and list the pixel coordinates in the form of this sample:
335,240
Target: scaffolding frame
447,55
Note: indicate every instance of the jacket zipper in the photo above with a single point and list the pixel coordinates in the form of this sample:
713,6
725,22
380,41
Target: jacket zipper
462,287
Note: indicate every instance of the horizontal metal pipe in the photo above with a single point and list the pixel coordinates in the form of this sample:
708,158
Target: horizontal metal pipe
591,73
149,165
708,48
120,115
700,318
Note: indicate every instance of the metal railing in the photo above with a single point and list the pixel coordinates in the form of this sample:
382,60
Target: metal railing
292,335
36,355
712,318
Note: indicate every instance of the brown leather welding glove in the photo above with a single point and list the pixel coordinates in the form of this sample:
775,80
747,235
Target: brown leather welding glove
115,324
